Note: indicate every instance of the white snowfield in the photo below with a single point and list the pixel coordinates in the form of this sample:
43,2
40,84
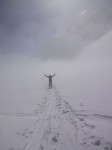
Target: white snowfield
55,125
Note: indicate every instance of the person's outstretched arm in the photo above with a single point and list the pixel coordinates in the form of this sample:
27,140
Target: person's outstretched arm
46,75
53,75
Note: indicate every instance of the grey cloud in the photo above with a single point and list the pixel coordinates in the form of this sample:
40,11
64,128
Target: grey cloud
52,29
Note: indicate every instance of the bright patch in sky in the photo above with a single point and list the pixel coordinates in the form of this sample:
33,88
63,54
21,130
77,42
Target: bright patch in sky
83,12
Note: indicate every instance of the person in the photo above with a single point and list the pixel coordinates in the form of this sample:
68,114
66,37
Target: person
50,79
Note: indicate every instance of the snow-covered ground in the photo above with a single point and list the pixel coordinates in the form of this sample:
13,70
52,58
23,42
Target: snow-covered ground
75,114
54,124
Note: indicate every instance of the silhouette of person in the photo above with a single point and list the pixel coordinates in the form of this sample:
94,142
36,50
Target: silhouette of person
50,80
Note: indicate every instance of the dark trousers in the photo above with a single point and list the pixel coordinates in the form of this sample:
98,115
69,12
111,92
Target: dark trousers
50,84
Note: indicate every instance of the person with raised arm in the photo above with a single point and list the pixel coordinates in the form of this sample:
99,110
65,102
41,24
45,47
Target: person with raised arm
50,79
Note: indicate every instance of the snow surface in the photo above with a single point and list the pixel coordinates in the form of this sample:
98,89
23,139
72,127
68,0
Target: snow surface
54,124
74,115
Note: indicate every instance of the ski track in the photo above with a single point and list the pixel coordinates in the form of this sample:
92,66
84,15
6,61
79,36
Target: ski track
58,126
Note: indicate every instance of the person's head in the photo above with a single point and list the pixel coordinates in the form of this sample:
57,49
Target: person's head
49,75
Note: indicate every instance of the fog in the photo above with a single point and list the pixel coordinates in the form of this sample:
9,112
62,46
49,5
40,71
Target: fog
85,79
74,44
52,29
69,38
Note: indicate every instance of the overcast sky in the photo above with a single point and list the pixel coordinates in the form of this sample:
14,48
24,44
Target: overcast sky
51,29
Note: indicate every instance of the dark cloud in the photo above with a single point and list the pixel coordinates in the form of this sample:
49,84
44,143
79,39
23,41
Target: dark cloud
52,29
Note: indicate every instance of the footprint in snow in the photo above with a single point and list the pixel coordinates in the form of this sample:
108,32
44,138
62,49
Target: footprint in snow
23,134
96,142
81,119
92,136
54,139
